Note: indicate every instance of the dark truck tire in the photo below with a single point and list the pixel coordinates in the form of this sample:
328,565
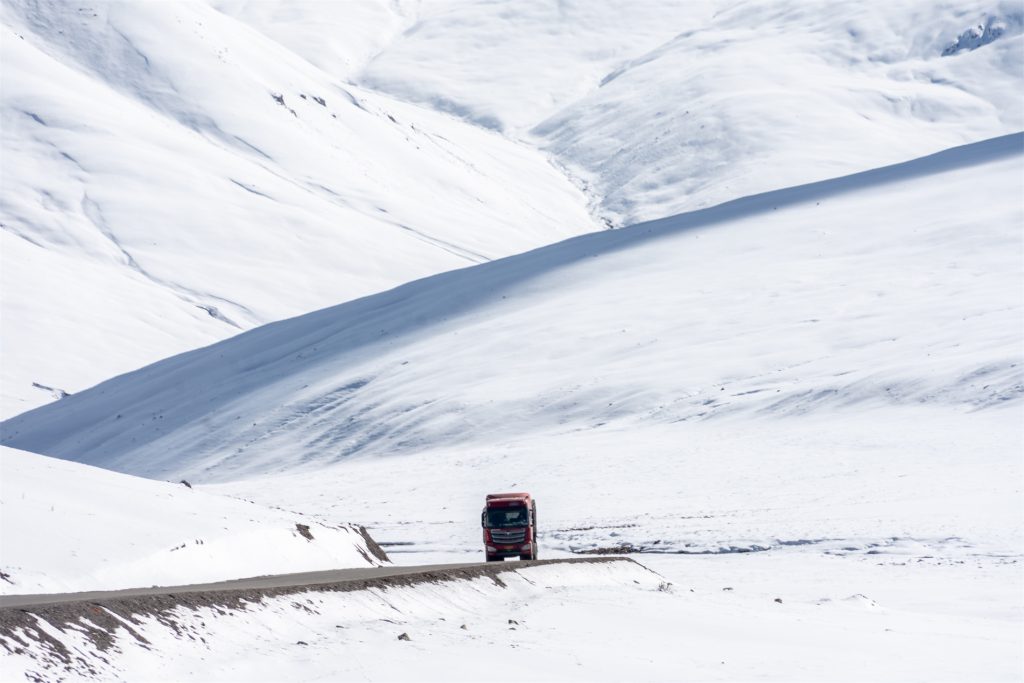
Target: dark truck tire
493,558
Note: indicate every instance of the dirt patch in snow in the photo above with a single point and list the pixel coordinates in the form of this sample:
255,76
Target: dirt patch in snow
373,546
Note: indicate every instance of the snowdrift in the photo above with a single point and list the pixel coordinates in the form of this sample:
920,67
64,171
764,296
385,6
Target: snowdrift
68,527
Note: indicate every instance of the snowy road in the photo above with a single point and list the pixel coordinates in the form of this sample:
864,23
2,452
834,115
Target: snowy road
325,579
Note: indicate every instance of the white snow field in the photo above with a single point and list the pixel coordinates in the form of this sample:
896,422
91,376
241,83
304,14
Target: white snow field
812,395
68,527
172,177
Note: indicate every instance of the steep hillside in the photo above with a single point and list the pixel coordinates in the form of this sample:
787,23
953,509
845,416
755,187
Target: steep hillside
172,177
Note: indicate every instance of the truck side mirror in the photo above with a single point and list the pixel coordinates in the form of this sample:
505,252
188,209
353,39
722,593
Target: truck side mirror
483,519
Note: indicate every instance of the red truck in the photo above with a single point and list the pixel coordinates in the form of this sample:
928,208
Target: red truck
510,526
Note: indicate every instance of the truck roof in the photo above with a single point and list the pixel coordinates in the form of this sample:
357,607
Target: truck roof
507,499
493,496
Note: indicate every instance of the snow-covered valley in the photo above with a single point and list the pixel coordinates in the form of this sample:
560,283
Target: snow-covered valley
656,395
343,265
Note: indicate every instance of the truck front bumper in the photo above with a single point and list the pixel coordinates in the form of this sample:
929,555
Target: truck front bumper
508,550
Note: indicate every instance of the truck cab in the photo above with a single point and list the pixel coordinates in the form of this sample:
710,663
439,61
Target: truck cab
509,521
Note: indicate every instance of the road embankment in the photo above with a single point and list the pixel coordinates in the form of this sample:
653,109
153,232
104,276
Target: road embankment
40,626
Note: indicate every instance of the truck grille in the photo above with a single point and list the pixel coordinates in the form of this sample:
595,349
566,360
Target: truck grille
508,536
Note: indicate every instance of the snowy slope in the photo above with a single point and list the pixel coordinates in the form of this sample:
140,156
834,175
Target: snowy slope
510,66
171,177
897,287
339,38
69,527
665,107
770,95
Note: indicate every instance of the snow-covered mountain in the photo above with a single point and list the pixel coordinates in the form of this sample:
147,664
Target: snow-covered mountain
172,177
174,173
69,527
667,107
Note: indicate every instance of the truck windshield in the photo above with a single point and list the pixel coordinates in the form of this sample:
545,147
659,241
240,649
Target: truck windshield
504,517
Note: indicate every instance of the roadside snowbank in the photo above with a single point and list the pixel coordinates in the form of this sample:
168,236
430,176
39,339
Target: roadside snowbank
586,622
69,527
258,638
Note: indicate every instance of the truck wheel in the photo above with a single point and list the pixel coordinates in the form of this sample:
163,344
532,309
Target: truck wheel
492,558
